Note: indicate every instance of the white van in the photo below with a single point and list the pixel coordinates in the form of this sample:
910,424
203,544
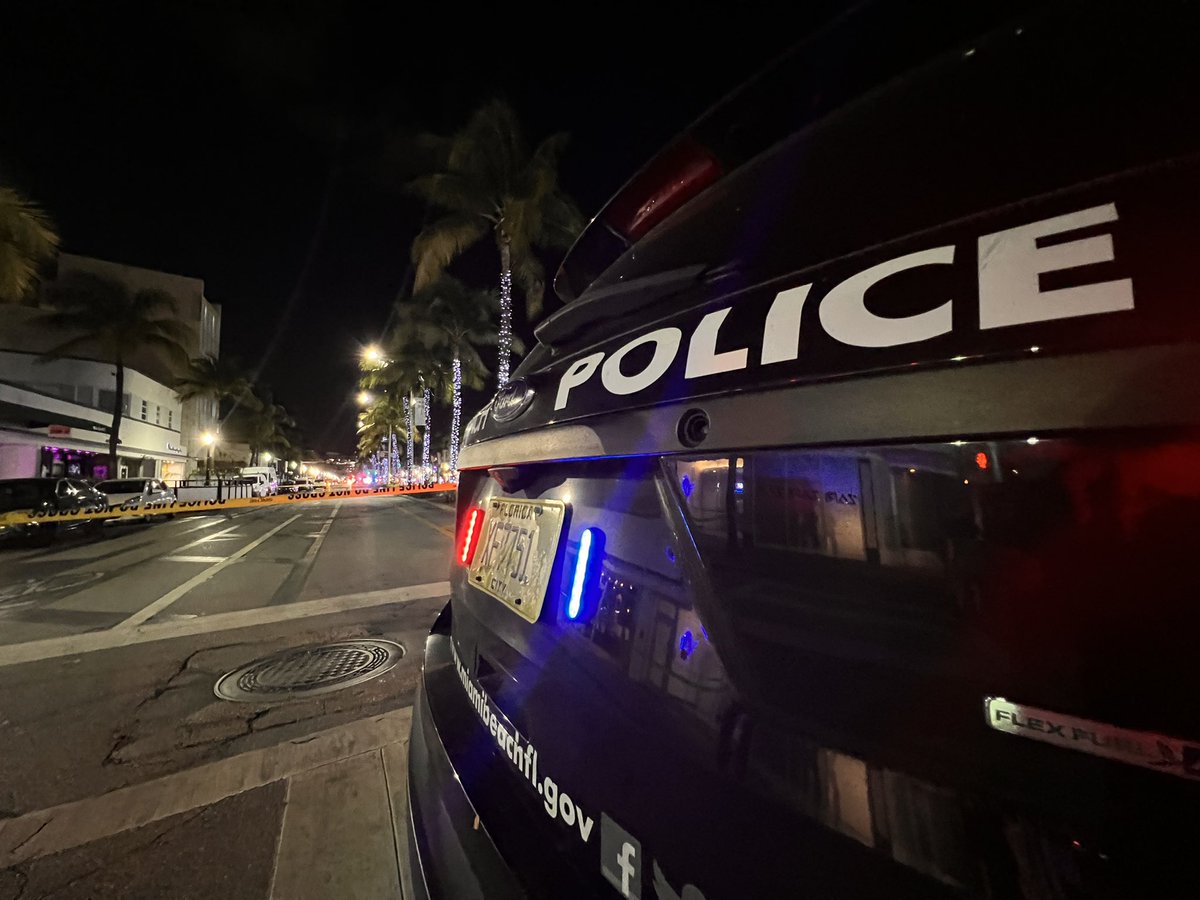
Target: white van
266,480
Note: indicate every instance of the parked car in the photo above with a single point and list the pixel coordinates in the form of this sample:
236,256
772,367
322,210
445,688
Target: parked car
265,479
135,493
49,495
299,486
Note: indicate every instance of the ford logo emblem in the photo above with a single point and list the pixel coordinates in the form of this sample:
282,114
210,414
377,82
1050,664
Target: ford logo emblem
512,400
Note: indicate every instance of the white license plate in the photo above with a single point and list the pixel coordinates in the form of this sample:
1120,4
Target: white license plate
516,552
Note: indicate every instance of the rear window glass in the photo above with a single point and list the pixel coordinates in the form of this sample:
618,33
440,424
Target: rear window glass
1030,562
21,494
128,486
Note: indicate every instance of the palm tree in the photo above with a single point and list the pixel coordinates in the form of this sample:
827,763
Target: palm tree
452,319
108,318
270,428
382,420
215,379
390,378
433,380
27,240
490,182
408,367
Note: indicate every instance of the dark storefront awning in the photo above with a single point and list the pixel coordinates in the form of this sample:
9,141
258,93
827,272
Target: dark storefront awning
32,417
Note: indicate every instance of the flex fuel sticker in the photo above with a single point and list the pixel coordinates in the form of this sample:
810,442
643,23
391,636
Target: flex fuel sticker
1137,748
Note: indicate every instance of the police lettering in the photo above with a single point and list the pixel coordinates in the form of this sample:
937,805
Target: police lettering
1009,267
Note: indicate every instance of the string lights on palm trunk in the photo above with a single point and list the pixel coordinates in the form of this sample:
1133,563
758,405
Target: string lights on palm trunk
408,430
456,415
504,337
425,395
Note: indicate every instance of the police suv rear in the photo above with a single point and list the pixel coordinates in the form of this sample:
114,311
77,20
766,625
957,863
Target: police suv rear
838,538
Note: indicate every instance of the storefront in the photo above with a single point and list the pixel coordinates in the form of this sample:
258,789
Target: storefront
25,454
57,462
47,436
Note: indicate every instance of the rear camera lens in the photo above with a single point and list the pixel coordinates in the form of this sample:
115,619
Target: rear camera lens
693,427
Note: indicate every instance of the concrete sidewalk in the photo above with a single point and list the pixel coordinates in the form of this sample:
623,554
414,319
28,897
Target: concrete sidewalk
318,816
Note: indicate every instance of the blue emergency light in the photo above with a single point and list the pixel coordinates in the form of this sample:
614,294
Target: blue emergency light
583,578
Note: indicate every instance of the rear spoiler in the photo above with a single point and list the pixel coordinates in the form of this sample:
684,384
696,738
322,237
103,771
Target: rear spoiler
840,61
679,173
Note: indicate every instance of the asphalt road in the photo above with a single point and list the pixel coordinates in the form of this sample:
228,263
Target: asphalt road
110,645
199,565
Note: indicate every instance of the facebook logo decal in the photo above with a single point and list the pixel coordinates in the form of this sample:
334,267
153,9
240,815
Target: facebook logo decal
620,858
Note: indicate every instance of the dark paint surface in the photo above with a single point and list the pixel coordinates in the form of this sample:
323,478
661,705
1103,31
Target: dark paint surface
780,687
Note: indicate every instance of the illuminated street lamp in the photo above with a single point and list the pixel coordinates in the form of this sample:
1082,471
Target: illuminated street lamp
372,355
364,398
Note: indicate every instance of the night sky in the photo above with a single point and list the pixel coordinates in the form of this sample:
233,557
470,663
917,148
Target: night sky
263,150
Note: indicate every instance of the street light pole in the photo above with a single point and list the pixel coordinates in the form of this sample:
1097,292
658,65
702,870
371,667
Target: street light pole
208,440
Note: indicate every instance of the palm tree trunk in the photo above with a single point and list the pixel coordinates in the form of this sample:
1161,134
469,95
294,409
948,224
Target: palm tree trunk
425,432
114,435
504,336
408,429
456,416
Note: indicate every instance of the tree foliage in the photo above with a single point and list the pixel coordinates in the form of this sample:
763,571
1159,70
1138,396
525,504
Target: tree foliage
106,317
449,319
491,182
27,241
214,378
271,427
384,416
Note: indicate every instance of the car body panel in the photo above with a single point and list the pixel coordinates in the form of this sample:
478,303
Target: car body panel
134,493
887,438
50,495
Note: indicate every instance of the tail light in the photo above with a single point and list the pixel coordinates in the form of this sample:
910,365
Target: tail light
469,539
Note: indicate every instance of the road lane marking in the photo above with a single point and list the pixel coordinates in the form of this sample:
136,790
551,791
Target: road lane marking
208,537
208,522
90,642
192,559
446,531
298,572
78,822
171,596
316,544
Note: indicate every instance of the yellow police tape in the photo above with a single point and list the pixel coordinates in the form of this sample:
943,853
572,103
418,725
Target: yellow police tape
178,507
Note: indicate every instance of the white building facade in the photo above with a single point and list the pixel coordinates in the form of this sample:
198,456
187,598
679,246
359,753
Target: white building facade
203,318
55,415
55,419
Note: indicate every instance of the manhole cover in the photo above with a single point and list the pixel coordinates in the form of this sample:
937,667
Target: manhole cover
309,670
